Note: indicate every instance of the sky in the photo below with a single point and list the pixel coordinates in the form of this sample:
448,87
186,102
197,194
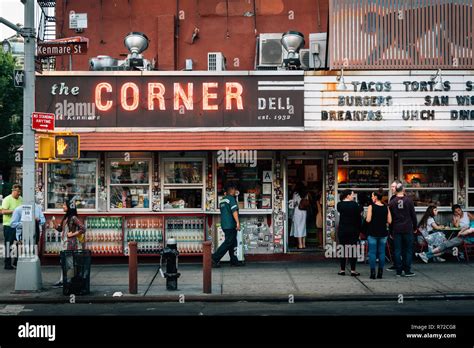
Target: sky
13,11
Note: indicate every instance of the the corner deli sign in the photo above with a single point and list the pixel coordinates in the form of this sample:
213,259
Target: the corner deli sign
172,101
390,100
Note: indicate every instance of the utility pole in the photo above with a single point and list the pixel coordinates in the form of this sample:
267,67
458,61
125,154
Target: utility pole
28,273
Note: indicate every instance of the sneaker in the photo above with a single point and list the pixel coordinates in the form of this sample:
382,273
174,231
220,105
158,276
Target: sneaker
423,257
392,268
409,274
58,284
440,259
399,274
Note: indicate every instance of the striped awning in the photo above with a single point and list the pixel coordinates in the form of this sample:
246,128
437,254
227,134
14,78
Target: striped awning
283,140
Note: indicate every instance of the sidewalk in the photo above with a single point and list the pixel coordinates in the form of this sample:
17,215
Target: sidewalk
257,281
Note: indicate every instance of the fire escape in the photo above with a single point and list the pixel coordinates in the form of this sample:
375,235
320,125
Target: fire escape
47,29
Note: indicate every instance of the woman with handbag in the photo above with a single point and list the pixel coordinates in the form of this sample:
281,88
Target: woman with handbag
301,204
349,228
72,233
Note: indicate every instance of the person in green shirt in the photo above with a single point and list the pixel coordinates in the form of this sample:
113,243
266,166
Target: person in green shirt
9,204
230,225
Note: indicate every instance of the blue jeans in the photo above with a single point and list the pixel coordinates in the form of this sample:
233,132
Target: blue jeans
403,243
376,248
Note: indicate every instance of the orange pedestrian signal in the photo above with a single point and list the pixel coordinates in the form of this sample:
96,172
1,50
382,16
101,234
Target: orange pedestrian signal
66,147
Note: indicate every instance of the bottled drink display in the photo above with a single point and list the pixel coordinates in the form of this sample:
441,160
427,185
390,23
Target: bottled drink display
52,238
104,235
147,232
188,232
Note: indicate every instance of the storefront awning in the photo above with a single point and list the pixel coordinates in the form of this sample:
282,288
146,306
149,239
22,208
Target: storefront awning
304,140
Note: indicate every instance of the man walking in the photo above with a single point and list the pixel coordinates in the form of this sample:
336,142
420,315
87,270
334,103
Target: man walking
403,224
230,225
9,204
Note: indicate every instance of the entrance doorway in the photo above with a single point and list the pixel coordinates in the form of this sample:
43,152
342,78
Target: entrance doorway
305,175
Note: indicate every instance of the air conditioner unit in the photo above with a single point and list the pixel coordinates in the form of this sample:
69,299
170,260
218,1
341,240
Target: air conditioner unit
270,51
306,59
215,61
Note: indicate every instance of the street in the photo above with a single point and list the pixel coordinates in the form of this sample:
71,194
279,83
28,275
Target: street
242,308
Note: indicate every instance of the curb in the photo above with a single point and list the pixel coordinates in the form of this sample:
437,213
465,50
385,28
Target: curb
235,298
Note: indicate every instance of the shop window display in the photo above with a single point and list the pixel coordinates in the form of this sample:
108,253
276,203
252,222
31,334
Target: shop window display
76,180
130,184
470,182
429,181
364,177
253,183
183,184
183,172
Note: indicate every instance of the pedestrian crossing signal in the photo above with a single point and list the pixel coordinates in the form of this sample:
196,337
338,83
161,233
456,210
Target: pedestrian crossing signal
46,148
66,147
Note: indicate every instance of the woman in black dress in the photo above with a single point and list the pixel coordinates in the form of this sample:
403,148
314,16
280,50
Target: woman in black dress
349,228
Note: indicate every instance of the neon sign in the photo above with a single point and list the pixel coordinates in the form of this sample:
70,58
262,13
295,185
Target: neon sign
182,96
169,100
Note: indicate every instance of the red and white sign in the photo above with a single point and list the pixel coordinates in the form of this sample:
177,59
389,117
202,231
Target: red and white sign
42,121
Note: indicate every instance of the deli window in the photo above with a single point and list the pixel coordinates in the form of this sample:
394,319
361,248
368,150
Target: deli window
363,176
254,183
429,181
129,184
73,181
470,182
183,183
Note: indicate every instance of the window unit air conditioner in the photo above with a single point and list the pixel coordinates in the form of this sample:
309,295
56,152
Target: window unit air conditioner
270,51
215,61
315,56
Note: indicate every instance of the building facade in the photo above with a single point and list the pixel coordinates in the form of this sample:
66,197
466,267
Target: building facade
157,147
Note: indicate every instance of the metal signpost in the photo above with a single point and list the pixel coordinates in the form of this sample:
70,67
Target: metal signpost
28,273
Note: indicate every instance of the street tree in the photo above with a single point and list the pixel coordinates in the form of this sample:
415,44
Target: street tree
11,111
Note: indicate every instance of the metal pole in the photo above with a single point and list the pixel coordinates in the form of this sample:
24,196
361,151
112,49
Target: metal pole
132,267
207,267
28,273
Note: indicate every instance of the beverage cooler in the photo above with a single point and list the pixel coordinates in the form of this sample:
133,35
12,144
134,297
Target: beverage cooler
108,235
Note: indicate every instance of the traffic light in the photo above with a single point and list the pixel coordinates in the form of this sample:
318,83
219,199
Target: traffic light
66,147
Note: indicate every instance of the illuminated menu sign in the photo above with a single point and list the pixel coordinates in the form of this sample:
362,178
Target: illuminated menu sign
390,100
172,101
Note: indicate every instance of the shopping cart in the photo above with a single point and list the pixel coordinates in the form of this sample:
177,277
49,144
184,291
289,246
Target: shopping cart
76,265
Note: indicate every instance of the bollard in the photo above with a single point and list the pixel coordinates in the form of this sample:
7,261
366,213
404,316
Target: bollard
132,267
207,267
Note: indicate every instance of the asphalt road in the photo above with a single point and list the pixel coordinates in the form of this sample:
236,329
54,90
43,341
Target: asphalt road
320,308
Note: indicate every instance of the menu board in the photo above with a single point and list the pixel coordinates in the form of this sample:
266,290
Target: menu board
376,176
